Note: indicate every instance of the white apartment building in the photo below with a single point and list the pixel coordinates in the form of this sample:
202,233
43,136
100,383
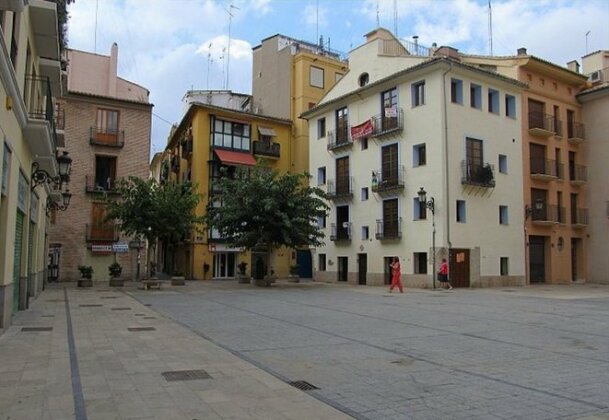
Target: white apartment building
397,123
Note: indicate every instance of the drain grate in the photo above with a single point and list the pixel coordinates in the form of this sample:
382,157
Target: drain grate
121,309
108,297
140,314
149,317
90,305
185,375
147,304
36,329
141,328
303,385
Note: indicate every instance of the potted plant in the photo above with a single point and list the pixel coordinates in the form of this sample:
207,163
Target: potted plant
294,277
267,280
177,279
115,270
86,276
241,277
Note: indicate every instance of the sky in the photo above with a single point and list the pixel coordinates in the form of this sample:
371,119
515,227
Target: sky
172,46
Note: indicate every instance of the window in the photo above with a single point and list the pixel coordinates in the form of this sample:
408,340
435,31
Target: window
456,91
321,128
342,125
503,164
231,135
510,106
364,143
390,175
105,173
321,175
364,78
418,94
503,215
107,126
419,209
504,266
420,262
475,96
316,77
493,101
365,233
321,265
419,155
6,166
365,193
391,226
473,153
460,211
321,222
389,109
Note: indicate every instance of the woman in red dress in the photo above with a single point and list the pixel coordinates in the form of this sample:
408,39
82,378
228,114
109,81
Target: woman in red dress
396,275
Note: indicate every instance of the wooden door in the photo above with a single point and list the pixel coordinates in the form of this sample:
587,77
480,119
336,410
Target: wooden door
362,263
342,175
458,271
538,158
536,109
389,170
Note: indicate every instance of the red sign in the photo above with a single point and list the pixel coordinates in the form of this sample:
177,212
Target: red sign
362,130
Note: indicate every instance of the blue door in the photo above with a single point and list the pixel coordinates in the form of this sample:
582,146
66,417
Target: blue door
305,264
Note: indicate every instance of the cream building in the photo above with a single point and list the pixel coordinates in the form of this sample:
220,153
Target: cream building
398,122
30,80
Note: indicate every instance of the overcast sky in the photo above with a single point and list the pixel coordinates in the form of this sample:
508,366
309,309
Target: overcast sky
171,46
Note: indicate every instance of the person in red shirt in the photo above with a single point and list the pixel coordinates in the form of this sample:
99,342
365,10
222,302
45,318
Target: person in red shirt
443,275
396,275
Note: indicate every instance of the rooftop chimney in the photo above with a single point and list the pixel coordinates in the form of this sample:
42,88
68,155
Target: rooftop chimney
522,51
448,52
573,66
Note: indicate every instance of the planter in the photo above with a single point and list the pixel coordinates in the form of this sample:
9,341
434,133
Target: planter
242,279
294,278
116,282
85,283
265,282
178,281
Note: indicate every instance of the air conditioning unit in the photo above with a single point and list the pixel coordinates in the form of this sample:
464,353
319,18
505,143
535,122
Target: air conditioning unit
596,76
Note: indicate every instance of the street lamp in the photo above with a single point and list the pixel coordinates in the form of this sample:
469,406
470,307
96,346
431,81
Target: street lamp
53,205
431,206
528,210
40,176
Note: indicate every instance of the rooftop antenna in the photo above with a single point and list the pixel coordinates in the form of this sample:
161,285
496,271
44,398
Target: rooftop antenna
490,28
208,63
378,22
395,18
95,33
587,33
222,58
230,19
317,20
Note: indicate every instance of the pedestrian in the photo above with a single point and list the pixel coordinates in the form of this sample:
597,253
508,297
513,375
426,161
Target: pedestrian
396,275
443,275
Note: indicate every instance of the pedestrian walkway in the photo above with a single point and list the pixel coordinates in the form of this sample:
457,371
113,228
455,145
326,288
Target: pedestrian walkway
97,353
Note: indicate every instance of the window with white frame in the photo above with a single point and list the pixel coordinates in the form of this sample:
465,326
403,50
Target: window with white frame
510,106
493,101
321,128
418,93
316,77
231,135
456,91
503,215
475,96
502,164
365,193
461,211
365,233
321,175
419,155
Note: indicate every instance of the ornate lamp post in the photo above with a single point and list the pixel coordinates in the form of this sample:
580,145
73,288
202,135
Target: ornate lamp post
431,206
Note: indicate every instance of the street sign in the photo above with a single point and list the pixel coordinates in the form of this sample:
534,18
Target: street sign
120,247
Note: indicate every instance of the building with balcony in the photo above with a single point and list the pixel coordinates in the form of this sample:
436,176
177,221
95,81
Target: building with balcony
404,118
31,185
594,101
554,163
107,129
211,142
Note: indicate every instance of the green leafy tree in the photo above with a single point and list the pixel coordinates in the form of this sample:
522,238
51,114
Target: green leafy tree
259,209
157,212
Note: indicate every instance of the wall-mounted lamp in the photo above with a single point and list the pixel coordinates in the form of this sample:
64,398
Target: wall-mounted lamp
528,210
52,205
40,176
431,205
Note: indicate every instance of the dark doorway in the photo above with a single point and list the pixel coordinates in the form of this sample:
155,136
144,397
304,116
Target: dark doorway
537,259
458,272
305,263
387,269
574,266
362,264
343,268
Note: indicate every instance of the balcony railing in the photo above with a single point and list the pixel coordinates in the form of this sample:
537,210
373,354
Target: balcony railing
107,137
338,139
388,181
342,187
477,174
266,148
576,132
578,174
385,125
94,185
340,232
39,102
579,217
389,228
544,125
102,232
543,168
549,214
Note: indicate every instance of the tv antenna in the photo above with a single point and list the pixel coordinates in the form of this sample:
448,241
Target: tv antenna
395,18
230,19
587,33
209,60
490,28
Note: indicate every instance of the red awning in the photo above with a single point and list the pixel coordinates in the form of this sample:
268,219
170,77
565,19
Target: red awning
235,158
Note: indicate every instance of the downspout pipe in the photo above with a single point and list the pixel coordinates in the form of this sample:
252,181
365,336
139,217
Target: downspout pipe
445,154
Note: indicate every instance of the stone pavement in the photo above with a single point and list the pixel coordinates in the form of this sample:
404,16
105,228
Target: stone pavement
100,354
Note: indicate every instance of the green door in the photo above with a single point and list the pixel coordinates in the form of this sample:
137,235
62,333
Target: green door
17,260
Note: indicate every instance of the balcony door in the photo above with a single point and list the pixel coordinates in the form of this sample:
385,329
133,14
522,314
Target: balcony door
536,111
342,175
342,222
105,172
389,170
538,158
389,109
390,218
342,125
100,229
107,126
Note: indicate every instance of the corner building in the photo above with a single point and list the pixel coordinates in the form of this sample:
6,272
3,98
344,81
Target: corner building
404,118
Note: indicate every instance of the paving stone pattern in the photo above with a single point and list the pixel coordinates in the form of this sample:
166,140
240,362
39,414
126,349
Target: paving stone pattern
532,353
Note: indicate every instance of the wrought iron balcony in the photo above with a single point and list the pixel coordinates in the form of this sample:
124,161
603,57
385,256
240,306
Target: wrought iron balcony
389,228
39,104
340,232
388,181
102,232
477,174
383,125
544,125
579,217
338,139
578,174
545,169
576,132
107,137
94,185
342,187
548,215
265,148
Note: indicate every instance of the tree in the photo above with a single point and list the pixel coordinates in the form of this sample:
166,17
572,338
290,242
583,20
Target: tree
259,209
157,212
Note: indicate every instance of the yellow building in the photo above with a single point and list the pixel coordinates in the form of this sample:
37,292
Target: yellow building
31,186
207,139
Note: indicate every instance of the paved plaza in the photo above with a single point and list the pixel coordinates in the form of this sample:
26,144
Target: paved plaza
537,352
